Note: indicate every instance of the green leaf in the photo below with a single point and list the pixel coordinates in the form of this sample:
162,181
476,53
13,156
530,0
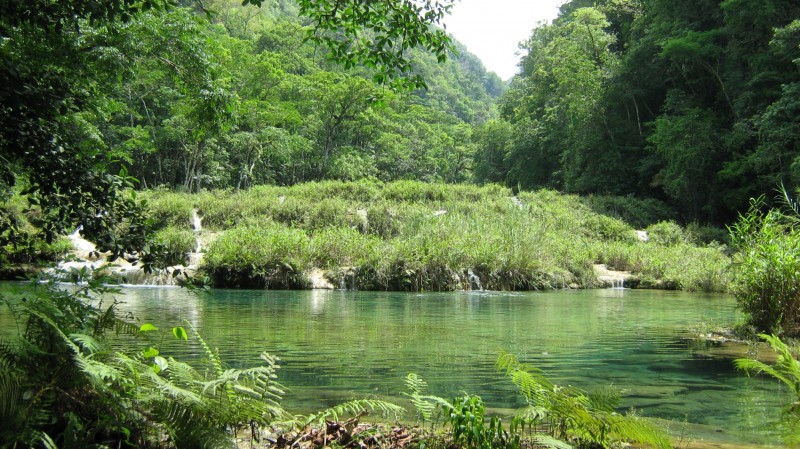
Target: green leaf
147,327
180,333
150,352
160,364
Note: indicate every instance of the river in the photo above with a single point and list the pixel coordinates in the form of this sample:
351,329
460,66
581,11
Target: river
341,345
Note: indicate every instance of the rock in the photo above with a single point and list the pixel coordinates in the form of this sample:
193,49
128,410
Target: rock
319,280
611,278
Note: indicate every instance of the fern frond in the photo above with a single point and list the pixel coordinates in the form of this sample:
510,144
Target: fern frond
424,404
549,442
189,428
638,430
48,442
87,342
534,413
415,384
605,398
214,360
531,381
353,408
100,372
786,367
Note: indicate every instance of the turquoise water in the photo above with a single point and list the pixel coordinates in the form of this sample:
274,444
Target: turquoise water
337,346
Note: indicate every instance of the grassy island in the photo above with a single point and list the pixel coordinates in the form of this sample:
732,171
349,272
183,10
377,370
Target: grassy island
414,236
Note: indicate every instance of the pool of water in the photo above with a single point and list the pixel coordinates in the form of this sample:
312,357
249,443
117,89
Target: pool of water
337,346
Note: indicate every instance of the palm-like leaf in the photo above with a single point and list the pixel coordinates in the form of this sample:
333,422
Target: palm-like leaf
352,408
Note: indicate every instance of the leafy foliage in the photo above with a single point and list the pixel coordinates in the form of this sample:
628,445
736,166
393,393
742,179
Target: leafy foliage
355,407
378,34
766,267
417,236
787,370
576,416
470,430
426,405
695,108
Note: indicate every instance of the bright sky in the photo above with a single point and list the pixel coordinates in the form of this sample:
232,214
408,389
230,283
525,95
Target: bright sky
491,29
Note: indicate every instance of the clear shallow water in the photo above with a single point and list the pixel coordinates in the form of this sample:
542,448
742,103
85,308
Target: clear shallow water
338,345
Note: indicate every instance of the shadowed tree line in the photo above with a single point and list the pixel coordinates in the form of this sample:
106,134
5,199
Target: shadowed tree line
691,103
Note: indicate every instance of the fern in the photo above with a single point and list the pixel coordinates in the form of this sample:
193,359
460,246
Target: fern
575,415
787,370
425,405
531,381
549,442
786,367
353,408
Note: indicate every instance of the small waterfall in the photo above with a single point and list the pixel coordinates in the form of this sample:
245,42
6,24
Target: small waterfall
86,256
618,283
196,256
474,281
80,243
197,224
343,280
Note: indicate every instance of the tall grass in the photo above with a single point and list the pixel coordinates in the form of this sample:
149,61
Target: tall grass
415,236
767,274
266,256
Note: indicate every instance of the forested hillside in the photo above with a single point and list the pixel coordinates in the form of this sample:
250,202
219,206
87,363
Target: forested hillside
695,106
696,103
654,109
244,100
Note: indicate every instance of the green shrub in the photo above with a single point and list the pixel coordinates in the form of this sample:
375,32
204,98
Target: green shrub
666,233
176,243
343,247
166,208
363,191
292,211
766,276
704,235
637,212
607,228
265,256
333,212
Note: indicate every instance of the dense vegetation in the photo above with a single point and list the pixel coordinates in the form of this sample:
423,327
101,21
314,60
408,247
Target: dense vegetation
688,114
694,103
654,109
417,236
95,93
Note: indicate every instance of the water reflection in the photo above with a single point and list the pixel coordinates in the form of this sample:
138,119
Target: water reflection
338,345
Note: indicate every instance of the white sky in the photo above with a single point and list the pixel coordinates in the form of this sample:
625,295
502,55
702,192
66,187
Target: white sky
492,29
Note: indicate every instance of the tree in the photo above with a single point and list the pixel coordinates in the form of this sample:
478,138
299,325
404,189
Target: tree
558,101
379,34
50,81
58,61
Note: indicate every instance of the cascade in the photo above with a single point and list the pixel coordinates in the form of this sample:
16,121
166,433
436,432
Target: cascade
474,281
618,283
197,224
343,281
85,255
196,256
